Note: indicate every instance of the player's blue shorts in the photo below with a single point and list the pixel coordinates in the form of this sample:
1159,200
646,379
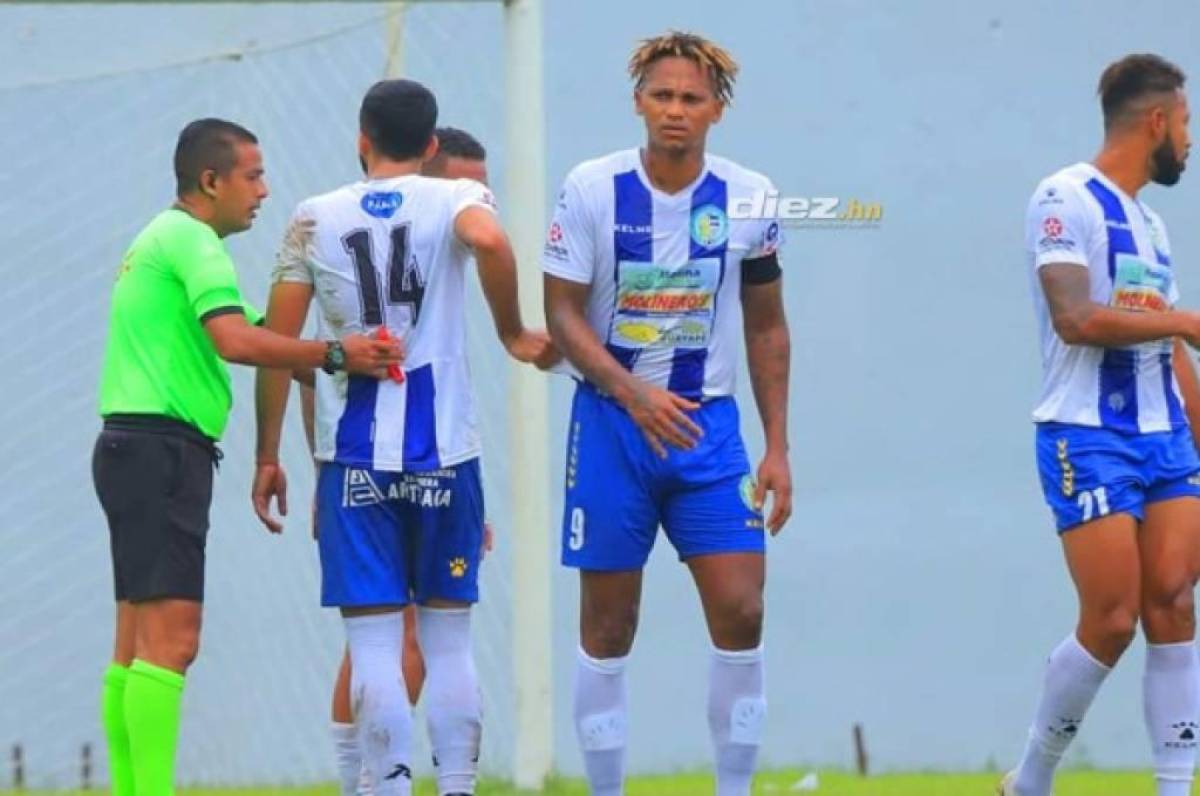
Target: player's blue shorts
618,491
1088,473
392,538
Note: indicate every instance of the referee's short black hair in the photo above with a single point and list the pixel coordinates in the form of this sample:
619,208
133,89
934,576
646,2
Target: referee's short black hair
207,145
456,143
398,117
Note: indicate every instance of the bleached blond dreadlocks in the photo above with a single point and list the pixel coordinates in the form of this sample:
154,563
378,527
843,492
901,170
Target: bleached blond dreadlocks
711,57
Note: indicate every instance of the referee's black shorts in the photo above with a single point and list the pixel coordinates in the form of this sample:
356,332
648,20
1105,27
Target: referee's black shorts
154,478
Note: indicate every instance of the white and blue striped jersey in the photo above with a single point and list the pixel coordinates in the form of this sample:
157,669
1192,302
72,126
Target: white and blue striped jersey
664,269
384,252
1079,216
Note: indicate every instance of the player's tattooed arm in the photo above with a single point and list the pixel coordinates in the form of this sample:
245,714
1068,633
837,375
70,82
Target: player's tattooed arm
1080,321
659,413
769,351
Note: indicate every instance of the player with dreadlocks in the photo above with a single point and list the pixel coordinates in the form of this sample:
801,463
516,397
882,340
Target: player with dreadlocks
647,281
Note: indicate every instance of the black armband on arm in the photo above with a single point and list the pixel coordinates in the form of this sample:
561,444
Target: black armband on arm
761,270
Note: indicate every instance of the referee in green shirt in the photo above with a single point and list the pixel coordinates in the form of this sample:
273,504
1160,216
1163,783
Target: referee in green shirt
177,316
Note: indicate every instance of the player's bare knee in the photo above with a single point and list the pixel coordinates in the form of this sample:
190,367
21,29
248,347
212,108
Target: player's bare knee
739,623
609,634
1115,627
1169,614
749,612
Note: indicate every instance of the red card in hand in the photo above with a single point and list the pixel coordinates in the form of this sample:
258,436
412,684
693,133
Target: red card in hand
395,373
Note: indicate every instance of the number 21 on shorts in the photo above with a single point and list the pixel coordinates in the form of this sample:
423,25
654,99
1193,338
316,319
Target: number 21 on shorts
576,540
1093,503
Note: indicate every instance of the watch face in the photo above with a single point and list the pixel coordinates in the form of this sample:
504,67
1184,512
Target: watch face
335,358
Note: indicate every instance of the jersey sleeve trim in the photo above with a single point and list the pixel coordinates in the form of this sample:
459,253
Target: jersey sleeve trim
565,272
219,311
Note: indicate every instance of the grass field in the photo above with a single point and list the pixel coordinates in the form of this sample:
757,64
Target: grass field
1072,783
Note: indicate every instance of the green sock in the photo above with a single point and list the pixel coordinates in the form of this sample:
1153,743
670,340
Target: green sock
152,697
112,714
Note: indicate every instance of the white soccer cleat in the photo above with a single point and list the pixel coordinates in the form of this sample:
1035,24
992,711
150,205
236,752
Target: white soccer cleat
1006,786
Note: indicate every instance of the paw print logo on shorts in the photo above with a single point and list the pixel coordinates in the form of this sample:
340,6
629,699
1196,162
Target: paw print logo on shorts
458,567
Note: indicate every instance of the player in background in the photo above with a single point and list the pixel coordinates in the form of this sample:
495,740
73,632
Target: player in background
459,156
1115,453
649,282
400,505
176,317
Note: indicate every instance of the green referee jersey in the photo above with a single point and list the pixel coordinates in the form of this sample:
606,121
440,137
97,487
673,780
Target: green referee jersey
159,360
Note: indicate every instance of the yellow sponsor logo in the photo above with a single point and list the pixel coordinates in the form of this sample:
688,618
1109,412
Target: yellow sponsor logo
638,332
458,567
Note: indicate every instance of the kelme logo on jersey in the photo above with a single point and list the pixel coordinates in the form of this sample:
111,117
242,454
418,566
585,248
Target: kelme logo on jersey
710,226
382,204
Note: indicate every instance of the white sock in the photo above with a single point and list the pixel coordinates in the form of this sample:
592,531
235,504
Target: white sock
453,707
380,701
349,759
600,721
1172,703
1072,679
736,710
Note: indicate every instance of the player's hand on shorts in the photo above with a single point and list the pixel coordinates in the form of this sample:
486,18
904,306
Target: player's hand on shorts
661,415
270,481
775,476
535,347
368,356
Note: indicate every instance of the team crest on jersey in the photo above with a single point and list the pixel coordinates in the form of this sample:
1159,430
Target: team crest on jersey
382,204
458,567
710,226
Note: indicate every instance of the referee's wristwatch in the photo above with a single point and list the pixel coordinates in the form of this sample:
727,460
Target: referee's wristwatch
335,357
